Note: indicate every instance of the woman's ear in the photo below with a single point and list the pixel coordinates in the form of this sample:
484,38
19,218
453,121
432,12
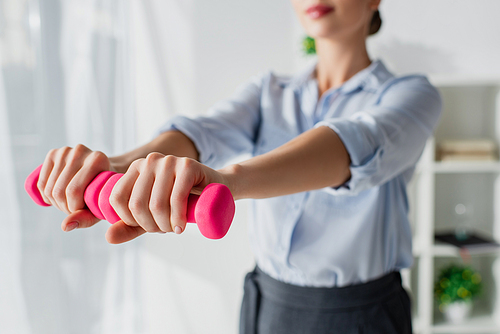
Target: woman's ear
374,4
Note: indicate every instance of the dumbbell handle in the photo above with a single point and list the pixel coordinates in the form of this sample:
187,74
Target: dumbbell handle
212,211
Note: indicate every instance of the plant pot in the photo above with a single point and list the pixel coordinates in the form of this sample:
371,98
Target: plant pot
457,312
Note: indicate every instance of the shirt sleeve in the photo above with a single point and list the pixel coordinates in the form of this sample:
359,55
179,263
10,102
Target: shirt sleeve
385,140
230,127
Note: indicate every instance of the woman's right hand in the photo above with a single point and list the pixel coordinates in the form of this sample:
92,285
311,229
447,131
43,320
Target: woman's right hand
65,174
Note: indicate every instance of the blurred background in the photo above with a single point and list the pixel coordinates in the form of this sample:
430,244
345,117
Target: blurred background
107,73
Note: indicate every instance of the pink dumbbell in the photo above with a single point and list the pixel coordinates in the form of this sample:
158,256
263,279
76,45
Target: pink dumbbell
212,211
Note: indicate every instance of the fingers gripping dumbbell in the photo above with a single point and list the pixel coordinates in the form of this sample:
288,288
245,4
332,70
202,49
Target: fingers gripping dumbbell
212,211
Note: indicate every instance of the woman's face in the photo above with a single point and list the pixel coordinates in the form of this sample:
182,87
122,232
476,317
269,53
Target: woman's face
335,18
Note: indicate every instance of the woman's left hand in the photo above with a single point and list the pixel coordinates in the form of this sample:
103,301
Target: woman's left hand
152,195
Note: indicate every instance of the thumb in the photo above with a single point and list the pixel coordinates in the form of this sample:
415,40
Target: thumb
120,232
83,219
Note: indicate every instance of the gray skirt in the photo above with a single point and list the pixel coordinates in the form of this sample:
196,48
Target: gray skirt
273,307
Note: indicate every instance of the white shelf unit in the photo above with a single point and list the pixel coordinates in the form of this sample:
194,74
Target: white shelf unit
471,110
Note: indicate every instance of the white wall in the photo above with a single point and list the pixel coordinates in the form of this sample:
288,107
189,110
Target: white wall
457,37
440,36
192,53
188,55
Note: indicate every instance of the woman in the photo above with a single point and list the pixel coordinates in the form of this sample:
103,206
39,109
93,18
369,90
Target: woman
333,150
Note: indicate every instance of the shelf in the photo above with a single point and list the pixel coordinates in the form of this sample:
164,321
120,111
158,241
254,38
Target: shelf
460,80
476,325
451,251
457,167
471,110
466,167
443,250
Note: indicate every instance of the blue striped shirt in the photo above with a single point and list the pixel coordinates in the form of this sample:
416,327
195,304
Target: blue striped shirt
333,236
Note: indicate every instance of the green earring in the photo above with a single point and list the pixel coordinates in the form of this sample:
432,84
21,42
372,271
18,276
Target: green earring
309,46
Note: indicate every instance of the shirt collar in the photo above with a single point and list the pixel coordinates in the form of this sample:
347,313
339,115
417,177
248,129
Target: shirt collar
368,78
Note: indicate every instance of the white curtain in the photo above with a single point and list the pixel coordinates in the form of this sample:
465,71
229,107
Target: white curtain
64,79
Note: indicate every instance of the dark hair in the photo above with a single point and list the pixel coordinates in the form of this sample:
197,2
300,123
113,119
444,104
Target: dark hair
376,23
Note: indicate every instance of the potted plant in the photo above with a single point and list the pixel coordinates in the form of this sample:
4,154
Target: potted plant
309,46
455,288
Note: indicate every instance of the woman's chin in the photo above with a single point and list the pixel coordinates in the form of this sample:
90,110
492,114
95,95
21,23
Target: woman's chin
320,31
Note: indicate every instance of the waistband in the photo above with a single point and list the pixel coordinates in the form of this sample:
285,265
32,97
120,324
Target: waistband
357,295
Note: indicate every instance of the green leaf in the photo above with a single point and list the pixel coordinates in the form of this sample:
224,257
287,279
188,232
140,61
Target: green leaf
309,46
455,283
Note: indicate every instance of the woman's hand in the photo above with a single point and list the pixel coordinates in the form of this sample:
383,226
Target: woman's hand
65,174
152,195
